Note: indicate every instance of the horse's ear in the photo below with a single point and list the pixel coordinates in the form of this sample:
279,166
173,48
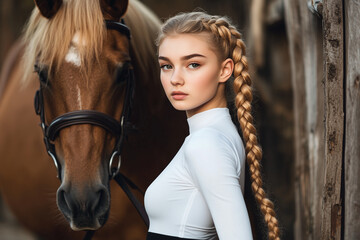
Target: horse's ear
48,8
114,9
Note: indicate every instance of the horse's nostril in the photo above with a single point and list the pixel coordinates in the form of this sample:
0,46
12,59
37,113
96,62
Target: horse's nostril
97,200
63,203
101,203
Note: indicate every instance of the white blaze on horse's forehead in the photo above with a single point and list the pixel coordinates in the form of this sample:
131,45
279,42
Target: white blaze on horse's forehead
73,56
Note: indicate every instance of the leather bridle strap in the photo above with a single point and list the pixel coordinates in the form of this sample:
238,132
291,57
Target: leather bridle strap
119,26
83,117
89,234
124,183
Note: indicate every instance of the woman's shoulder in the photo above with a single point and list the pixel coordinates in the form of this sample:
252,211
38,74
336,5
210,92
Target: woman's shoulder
209,135
217,134
211,148
212,143
208,141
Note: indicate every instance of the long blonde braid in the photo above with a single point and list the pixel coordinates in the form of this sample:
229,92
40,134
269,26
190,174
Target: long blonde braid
243,100
227,41
242,88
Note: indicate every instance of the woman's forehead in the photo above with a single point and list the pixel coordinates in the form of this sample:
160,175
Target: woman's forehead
183,44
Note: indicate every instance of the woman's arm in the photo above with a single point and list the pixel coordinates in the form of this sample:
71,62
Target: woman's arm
213,166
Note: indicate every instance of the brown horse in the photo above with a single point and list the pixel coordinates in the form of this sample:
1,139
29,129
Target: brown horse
81,66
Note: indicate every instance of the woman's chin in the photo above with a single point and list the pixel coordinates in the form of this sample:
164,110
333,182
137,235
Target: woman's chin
179,106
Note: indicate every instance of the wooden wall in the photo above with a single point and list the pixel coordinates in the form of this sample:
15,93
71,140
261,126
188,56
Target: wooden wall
302,30
324,44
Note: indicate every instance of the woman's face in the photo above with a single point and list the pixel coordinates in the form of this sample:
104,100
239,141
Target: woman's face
192,74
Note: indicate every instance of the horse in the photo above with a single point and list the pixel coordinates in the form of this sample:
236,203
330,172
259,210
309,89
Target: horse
82,65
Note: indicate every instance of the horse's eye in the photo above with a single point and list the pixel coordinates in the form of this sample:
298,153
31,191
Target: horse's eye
42,73
123,72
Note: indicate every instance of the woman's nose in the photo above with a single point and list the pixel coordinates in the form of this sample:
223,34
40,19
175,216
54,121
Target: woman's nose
177,78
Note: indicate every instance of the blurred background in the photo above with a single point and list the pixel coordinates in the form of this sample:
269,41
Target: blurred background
291,45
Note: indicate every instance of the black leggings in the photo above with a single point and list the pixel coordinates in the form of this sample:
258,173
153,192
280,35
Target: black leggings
156,236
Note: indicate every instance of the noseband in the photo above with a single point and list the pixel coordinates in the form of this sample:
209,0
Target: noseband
117,128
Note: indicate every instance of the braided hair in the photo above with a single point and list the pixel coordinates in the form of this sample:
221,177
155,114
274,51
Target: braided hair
227,43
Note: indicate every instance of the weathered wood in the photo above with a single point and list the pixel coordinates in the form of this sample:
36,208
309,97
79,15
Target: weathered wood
304,30
352,137
318,145
314,98
293,26
334,117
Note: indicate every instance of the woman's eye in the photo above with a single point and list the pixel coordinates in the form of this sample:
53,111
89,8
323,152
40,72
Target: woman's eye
166,66
194,65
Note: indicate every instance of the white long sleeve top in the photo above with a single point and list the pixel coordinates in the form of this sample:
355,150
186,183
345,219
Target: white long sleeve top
199,195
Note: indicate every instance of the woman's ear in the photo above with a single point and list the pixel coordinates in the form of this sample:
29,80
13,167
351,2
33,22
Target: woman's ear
227,68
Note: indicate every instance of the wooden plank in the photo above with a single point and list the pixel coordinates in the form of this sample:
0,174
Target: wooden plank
302,186
352,137
334,117
317,178
312,39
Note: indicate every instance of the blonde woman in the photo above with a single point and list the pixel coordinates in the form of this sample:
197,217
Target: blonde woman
199,195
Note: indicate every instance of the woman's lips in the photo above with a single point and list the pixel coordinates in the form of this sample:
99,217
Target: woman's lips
177,95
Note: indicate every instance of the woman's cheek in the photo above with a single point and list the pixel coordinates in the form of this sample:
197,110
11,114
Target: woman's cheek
162,79
164,83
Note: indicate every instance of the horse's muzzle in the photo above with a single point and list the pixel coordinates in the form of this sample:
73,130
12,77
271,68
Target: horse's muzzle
86,208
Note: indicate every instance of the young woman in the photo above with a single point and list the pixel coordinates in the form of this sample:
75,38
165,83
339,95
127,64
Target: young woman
199,195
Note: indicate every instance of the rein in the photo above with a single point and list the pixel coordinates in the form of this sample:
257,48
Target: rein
117,128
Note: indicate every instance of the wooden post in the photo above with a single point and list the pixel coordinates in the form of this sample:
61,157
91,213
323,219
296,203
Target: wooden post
334,117
302,207
319,116
352,137
312,44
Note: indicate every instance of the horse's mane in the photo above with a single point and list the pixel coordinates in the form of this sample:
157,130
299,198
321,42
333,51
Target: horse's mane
144,27
48,41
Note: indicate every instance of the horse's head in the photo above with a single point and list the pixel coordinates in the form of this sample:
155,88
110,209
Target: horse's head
82,65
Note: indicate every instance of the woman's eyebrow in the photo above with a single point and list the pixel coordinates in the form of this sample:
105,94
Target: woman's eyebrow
187,57
163,58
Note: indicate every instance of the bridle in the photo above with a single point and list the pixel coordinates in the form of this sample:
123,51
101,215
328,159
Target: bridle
118,128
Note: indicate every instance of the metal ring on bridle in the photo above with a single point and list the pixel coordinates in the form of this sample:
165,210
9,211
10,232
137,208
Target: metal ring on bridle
113,174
